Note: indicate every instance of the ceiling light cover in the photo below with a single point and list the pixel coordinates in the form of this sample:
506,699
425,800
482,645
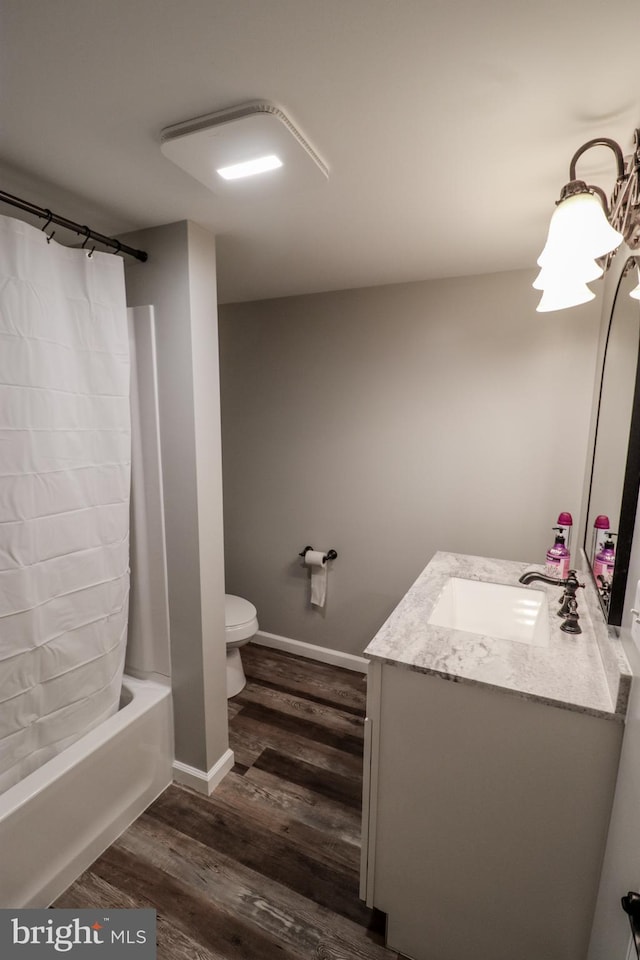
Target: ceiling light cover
204,145
249,168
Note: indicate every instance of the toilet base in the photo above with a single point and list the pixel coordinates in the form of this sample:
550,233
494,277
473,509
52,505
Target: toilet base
236,679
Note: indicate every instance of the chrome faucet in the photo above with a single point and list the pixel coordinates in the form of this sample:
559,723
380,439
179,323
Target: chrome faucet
569,605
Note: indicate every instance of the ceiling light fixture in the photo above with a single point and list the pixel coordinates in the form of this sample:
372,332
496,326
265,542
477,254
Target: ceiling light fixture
586,230
249,168
238,142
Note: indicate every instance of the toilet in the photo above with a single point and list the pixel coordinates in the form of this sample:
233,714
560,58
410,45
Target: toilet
240,624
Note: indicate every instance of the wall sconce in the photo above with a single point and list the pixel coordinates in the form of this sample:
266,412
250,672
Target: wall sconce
586,230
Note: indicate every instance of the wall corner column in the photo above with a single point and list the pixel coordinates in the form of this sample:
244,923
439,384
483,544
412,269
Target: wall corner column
179,280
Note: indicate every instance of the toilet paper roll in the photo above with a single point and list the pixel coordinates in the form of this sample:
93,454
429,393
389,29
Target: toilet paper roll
315,559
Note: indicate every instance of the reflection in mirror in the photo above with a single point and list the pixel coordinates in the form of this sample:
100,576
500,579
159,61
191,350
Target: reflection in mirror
614,475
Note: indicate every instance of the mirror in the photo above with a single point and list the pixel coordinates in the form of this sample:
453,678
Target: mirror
615,470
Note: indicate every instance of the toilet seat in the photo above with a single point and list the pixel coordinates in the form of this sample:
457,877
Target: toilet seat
240,620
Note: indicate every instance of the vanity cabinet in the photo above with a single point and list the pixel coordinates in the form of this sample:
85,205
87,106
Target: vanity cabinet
490,766
484,818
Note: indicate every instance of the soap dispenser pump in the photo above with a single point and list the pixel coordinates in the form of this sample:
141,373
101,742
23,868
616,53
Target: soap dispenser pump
565,520
558,557
601,525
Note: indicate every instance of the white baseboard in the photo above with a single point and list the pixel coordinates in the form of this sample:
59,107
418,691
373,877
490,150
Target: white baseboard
312,652
200,780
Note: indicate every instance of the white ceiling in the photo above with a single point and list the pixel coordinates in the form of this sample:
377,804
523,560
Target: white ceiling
448,125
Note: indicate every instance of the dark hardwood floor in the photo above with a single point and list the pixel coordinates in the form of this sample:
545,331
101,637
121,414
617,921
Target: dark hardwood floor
268,866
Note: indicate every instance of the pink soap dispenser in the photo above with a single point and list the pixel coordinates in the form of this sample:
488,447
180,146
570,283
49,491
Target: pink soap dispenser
604,563
558,557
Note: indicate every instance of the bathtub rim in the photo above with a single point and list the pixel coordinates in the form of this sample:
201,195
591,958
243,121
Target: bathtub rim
143,694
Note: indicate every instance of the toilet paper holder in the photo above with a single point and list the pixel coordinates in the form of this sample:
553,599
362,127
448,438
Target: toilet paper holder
329,555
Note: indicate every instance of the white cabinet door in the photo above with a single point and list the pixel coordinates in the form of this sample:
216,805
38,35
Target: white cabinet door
487,819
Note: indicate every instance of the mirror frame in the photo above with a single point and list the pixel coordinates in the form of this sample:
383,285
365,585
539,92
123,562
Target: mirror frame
631,481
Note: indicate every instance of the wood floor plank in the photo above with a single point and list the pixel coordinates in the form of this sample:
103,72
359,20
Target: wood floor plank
246,748
331,718
248,737
91,891
172,943
332,785
275,856
189,909
325,683
301,803
236,794
311,730
233,708
313,672
301,924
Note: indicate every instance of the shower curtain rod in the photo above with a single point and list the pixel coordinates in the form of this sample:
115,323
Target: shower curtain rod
78,228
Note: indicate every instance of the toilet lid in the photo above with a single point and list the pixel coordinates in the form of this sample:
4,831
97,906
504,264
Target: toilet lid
237,610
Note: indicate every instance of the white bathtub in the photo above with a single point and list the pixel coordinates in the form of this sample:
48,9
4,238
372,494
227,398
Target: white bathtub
55,822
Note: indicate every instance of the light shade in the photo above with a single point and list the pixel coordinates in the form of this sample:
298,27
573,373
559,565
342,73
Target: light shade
559,298
635,293
579,230
567,274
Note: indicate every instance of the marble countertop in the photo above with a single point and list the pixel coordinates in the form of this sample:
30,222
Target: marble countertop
587,672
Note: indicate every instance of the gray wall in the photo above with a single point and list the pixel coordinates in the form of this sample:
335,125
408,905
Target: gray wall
391,422
179,279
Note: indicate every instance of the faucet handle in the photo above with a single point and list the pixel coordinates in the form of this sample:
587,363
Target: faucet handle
572,579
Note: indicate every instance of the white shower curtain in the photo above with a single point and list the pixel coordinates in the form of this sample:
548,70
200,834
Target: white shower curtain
64,494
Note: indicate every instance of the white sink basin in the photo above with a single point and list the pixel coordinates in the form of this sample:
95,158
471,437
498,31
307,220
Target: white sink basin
494,610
